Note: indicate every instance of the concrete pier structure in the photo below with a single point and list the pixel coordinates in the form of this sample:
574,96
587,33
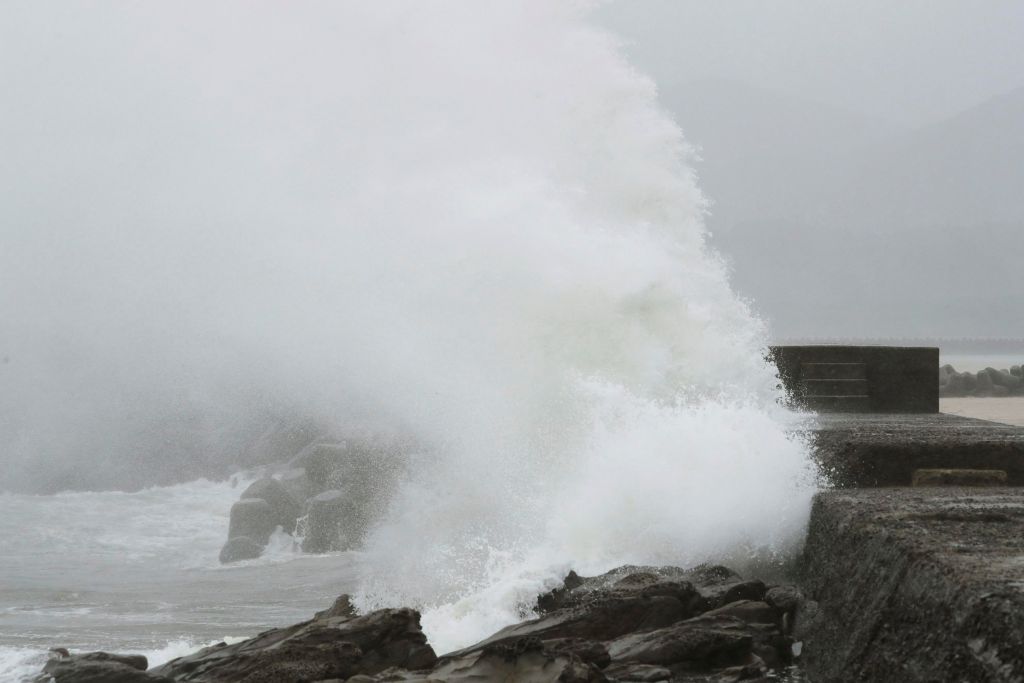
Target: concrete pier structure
860,379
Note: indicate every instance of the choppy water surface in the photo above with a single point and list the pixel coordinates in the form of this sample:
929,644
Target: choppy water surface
138,572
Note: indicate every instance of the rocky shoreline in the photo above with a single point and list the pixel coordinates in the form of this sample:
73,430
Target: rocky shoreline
706,624
984,383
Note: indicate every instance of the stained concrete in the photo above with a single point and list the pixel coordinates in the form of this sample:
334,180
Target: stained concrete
885,449
915,585
899,379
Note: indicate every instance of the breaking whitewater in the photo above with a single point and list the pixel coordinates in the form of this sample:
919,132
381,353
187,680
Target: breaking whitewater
463,228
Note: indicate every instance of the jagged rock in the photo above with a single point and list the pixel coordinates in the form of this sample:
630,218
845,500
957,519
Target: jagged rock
630,624
253,518
322,648
630,578
284,508
524,661
240,548
326,523
99,667
342,607
608,615
703,643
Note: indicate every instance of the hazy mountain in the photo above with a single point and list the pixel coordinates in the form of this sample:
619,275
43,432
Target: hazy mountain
764,153
842,225
965,170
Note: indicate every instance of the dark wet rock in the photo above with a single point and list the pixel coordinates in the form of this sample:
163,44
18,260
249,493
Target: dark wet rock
524,661
576,590
253,518
751,611
605,615
326,523
644,673
240,548
284,509
322,648
701,644
784,598
722,594
589,651
630,624
99,667
342,607
787,601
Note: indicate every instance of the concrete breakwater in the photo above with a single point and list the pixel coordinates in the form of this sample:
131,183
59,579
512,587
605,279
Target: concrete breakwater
913,584
984,383
906,579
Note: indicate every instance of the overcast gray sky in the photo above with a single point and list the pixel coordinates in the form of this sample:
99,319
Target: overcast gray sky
908,61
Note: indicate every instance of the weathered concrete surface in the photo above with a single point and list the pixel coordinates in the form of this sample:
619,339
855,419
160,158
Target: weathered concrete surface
915,585
884,450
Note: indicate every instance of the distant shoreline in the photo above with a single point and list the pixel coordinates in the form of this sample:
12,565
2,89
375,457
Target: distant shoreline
954,345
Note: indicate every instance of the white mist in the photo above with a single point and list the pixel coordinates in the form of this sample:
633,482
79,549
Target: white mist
466,220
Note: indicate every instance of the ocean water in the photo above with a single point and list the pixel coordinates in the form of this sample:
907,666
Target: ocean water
469,224
138,572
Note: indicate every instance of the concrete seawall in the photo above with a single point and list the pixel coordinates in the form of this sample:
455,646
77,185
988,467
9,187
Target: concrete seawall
884,450
915,585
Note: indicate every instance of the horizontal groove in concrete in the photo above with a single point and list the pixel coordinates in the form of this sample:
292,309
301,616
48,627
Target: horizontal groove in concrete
838,404
835,387
832,371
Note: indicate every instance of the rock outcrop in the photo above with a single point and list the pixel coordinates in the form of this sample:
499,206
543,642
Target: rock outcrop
326,647
631,624
98,667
